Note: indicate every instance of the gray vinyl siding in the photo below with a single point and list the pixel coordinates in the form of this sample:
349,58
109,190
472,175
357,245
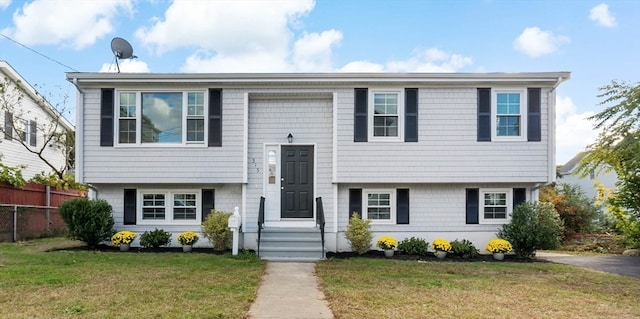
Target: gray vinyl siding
164,164
447,150
310,121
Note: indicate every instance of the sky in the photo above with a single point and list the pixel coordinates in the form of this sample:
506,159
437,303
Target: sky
597,41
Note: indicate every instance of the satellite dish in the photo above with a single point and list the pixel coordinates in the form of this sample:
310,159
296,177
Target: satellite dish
121,50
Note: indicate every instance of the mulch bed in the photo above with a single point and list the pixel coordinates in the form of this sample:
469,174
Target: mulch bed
430,257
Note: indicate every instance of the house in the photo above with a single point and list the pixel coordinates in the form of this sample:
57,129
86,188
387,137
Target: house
568,175
27,122
418,154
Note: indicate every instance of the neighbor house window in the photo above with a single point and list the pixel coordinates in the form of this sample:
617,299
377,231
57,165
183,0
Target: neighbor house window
162,118
386,115
379,206
169,207
8,125
495,206
28,134
509,108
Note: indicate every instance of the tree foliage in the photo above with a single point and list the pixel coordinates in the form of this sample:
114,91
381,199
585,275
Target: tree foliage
579,214
618,148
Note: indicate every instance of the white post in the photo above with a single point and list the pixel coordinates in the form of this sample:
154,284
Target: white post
234,224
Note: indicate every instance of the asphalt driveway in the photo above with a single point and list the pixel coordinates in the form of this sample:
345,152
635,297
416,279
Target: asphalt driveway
622,265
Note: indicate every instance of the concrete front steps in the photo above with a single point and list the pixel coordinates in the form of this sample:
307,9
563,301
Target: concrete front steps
291,244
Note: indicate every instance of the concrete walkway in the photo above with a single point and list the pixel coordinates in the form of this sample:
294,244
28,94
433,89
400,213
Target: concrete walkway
290,290
622,265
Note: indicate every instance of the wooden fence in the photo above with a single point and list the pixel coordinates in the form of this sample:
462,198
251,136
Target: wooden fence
32,212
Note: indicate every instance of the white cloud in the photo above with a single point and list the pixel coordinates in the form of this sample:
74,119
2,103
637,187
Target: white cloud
601,16
126,66
535,42
4,4
431,60
313,51
573,131
75,23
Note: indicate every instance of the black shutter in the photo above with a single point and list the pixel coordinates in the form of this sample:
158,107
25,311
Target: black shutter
402,203
208,202
534,125
519,196
355,201
411,115
473,205
8,125
33,133
484,115
215,117
130,199
106,117
360,131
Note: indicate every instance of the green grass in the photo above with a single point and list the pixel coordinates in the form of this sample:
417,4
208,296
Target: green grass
36,283
378,288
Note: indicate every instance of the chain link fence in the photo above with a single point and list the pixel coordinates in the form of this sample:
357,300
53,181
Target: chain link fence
23,222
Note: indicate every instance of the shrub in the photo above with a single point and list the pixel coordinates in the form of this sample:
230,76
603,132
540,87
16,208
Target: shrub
464,249
12,175
88,220
441,244
413,246
579,214
533,226
216,228
155,238
359,234
387,243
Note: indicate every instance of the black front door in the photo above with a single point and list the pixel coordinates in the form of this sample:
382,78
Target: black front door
297,181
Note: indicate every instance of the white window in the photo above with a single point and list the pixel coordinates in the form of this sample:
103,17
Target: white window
169,207
161,118
386,115
379,206
495,206
29,132
509,107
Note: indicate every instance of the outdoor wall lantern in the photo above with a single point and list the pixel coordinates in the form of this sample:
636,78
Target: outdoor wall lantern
290,138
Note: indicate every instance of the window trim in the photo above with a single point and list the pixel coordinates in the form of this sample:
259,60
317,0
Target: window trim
185,118
371,115
523,115
392,203
169,213
509,205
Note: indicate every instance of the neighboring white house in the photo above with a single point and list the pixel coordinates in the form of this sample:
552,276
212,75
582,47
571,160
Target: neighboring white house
567,175
28,120
419,154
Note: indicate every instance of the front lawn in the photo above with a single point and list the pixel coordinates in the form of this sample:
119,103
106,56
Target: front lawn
76,283
378,288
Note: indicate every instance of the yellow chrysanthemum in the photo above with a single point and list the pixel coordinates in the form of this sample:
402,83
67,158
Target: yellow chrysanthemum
387,242
499,245
188,238
441,244
123,237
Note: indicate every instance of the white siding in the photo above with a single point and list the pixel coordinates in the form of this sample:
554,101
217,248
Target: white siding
447,151
163,164
309,120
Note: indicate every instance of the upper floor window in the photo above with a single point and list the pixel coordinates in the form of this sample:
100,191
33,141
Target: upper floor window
509,108
161,118
386,115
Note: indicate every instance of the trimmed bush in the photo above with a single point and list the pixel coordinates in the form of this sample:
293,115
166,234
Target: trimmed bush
216,229
533,226
90,221
464,248
155,238
359,234
414,246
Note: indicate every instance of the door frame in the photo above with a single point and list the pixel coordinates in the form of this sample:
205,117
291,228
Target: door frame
272,194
